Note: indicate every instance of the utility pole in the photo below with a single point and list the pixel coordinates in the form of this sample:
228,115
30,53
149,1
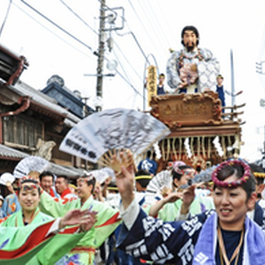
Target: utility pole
232,78
101,50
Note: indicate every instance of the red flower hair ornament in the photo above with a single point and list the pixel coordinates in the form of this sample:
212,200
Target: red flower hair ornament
31,183
86,178
231,184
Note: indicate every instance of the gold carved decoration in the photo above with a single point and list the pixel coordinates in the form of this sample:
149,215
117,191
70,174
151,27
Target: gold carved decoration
151,82
187,109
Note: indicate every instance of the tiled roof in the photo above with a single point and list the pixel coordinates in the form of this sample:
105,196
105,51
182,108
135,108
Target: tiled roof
11,153
42,99
8,152
67,99
63,170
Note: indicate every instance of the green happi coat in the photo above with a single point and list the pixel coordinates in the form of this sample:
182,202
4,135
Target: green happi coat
170,211
20,244
107,221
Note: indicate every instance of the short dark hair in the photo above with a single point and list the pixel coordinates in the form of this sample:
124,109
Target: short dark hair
64,177
45,174
257,169
150,153
190,28
177,175
113,187
143,181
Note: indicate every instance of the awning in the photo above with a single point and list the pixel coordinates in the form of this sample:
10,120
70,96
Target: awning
8,153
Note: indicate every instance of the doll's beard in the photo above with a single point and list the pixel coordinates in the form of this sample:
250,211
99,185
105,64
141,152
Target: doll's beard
190,47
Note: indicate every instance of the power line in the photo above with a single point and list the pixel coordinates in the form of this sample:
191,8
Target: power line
56,25
147,16
169,25
122,67
81,19
126,79
126,59
156,22
71,10
129,84
6,16
52,32
72,36
142,24
125,72
136,40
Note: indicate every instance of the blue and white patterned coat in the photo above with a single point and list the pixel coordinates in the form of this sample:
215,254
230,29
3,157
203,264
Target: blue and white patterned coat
207,66
174,242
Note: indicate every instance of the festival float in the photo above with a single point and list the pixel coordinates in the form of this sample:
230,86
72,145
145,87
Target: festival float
201,135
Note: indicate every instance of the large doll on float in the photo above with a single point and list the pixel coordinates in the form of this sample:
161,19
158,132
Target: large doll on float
192,69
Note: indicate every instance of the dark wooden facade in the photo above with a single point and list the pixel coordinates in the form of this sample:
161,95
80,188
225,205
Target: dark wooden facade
29,125
32,123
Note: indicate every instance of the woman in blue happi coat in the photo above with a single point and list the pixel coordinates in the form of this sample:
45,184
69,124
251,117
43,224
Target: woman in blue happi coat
221,236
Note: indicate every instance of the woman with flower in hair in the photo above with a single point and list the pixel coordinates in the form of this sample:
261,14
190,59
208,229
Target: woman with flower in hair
170,207
223,236
30,217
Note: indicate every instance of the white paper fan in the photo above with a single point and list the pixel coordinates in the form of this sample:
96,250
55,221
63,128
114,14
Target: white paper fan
30,163
109,171
101,134
101,174
204,175
7,179
160,180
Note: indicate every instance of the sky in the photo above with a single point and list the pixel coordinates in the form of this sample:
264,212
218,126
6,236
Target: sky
146,31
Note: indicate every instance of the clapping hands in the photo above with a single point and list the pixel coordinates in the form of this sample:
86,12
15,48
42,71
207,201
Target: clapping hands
86,219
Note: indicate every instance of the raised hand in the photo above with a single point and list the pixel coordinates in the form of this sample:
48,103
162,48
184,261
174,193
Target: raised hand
107,181
86,219
10,187
187,198
156,207
125,179
172,197
73,217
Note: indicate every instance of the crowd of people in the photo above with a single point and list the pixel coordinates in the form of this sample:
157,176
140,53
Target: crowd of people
141,215
132,220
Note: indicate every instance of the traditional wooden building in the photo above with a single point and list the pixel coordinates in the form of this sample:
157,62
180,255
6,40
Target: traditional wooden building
32,123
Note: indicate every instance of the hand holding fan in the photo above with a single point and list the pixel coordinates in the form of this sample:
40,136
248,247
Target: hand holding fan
7,179
104,134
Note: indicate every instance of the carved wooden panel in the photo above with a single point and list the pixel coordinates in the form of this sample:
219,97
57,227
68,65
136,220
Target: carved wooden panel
187,109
